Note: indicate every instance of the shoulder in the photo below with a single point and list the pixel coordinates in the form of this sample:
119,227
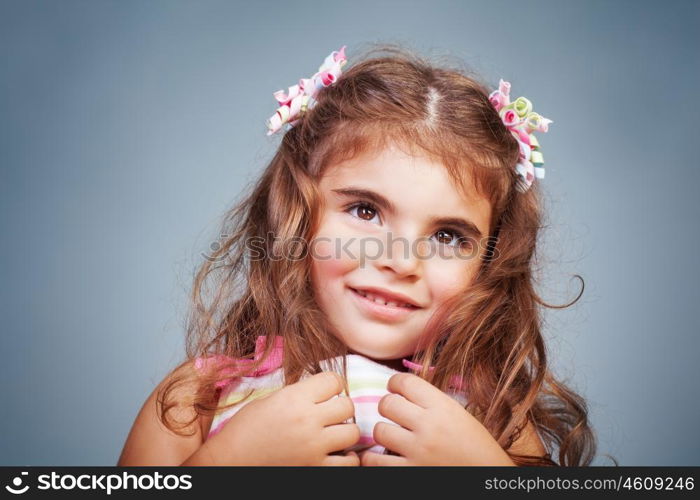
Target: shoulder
528,443
149,441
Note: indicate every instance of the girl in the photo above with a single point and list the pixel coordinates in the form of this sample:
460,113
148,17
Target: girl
311,288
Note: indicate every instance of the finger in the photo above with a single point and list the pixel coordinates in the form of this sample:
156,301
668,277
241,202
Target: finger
340,436
322,386
401,411
371,459
394,437
336,410
349,460
416,390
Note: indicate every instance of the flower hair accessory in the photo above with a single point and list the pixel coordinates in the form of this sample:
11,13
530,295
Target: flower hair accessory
300,97
519,118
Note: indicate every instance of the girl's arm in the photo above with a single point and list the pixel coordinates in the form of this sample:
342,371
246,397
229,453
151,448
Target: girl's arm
300,424
150,443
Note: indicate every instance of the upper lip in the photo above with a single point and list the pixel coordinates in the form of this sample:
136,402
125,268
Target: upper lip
388,294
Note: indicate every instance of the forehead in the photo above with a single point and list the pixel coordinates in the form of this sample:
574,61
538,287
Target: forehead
412,182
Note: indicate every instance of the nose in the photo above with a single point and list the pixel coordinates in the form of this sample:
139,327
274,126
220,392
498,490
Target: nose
401,256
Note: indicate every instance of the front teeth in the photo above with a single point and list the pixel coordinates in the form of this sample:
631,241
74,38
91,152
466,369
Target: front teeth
381,301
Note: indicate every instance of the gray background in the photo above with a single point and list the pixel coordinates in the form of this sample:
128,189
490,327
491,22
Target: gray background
128,128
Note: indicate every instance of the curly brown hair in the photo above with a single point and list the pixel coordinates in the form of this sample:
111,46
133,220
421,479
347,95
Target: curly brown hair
490,334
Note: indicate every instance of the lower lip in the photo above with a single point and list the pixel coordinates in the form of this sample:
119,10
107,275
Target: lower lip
380,311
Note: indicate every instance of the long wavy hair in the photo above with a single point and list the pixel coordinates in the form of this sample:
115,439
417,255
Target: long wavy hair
490,334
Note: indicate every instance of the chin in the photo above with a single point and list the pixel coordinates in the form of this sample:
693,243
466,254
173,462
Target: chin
377,352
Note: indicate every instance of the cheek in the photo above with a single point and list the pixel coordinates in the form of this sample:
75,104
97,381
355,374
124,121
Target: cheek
447,277
328,260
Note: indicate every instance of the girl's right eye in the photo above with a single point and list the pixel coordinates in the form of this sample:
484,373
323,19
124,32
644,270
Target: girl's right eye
365,211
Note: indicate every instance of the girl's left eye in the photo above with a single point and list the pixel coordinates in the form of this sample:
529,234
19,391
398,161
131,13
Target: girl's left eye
458,239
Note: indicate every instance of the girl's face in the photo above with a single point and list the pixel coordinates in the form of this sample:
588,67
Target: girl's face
369,202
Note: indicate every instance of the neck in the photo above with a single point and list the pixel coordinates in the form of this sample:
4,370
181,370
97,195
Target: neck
394,364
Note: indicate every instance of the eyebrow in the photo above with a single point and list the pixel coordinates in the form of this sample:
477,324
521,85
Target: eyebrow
466,226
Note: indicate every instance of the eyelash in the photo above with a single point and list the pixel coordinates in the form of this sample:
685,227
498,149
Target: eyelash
459,236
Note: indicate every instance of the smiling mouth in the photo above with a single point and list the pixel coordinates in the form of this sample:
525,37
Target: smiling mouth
383,302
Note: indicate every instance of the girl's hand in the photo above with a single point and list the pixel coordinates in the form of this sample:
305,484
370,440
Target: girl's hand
300,424
432,429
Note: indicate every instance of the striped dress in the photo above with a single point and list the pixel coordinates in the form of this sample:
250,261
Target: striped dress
367,382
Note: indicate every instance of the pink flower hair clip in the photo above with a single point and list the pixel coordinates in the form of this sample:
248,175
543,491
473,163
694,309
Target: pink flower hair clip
301,97
522,121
